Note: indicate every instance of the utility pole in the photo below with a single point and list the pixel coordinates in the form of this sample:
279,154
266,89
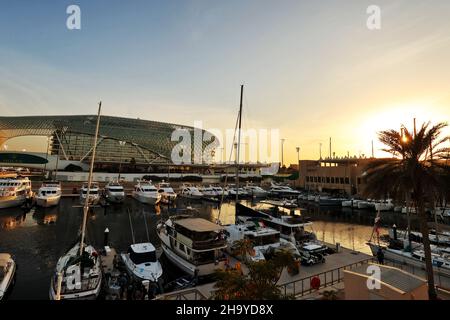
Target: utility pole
298,161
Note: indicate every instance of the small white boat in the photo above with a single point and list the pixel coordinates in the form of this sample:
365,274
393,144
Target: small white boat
94,193
81,275
7,272
347,203
114,192
209,192
410,210
220,191
14,191
255,191
194,245
364,205
232,192
146,192
142,263
282,191
49,194
262,238
190,192
166,191
384,205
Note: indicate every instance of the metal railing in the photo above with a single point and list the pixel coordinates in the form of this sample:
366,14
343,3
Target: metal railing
187,294
301,287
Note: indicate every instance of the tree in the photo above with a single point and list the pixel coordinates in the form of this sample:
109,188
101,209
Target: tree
259,284
420,175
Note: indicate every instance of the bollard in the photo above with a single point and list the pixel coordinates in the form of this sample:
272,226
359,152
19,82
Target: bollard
105,238
394,229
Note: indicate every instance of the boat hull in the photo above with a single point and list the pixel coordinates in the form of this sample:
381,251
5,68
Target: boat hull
10,202
146,199
188,267
47,202
8,279
114,198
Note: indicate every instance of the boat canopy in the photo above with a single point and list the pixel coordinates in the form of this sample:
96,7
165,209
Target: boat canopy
198,225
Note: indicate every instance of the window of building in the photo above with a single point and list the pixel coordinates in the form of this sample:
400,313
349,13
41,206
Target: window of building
341,180
347,180
332,179
328,179
359,180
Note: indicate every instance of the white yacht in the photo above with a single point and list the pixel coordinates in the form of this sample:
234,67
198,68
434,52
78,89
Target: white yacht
262,238
14,191
209,192
114,192
7,272
166,191
241,192
94,193
49,194
291,225
384,205
255,191
220,191
146,192
191,192
282,191
142,263
80,275
197,246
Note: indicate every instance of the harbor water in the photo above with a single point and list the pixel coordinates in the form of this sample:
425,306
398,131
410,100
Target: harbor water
38,237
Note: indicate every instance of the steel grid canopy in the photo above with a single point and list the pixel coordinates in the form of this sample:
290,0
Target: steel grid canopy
151,136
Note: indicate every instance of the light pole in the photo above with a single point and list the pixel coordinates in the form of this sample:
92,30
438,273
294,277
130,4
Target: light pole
298,161
121,144
282,151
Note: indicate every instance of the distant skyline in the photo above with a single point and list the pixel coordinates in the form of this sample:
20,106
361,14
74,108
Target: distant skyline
311,69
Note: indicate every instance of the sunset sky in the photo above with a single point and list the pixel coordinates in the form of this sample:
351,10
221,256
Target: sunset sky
311,69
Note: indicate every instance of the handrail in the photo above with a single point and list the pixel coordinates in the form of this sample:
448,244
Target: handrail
330,278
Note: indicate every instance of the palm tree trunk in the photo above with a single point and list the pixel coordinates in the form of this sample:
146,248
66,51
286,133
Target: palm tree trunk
427,250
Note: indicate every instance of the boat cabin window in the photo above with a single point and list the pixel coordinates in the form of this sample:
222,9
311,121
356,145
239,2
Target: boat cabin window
264,240
142,257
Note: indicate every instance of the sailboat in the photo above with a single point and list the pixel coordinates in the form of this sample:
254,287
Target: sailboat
78,273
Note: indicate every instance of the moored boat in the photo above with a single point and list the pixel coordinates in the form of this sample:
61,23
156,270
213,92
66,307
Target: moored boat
94,193
7,273
14,191
114,192
195,245
49,194
146,192
142,263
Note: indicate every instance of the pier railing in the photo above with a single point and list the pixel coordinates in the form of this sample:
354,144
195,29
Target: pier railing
301,287
187,294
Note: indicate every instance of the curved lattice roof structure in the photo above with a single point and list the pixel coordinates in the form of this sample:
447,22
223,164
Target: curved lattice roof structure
151,139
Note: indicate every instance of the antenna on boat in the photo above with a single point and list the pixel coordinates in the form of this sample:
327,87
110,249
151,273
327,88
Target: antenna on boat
91,169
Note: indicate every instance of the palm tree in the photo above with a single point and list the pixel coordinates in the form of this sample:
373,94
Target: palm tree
419,175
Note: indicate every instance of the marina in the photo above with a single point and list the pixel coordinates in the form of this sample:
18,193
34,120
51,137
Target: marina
31,234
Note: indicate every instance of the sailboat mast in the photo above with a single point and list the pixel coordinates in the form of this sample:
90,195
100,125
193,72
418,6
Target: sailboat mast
239,144
91,169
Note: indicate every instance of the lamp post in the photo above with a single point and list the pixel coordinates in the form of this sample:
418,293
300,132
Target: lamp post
282,151
403,141
121,144
298,161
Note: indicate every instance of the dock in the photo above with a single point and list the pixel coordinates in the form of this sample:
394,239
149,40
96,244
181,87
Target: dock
299,285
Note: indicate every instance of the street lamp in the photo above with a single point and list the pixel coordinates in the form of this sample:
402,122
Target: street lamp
121,143
282,151
298,161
